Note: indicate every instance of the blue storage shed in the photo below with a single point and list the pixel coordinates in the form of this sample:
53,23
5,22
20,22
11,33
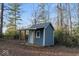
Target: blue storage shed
41,34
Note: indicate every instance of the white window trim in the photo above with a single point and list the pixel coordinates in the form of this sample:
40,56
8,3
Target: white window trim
36,34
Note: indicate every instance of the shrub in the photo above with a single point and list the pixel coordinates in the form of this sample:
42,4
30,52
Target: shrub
58,37
66,39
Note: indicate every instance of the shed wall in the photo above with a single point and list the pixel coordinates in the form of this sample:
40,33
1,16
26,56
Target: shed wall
49,36
39,41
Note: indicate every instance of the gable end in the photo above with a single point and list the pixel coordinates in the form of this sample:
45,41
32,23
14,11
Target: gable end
50,25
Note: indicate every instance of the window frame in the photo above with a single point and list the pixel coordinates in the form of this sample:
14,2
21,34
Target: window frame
37,34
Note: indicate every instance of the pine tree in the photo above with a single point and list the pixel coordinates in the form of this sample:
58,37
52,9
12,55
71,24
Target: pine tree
13,17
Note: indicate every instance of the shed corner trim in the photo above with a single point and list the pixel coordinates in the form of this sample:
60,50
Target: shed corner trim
44,37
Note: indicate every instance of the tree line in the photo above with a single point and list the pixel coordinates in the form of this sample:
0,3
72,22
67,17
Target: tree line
66,20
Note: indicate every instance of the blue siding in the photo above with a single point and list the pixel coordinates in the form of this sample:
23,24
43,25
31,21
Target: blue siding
39,41
49,36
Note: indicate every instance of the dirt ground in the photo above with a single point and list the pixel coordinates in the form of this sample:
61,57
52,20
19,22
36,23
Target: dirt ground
17,48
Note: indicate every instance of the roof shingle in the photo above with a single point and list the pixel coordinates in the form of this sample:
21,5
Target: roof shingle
38,26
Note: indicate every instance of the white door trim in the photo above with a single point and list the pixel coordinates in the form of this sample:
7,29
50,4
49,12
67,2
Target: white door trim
44,37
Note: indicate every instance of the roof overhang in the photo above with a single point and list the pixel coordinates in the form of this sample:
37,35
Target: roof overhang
29,29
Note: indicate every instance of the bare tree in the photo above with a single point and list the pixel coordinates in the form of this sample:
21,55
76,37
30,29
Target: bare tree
42,13
34,16
70,20
60,15
78,12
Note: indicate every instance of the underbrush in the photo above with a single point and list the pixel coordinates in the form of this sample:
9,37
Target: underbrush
66,39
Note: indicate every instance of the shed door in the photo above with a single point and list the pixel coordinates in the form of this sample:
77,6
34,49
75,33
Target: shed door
32,37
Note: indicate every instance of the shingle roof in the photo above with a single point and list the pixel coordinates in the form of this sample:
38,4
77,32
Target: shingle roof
38,26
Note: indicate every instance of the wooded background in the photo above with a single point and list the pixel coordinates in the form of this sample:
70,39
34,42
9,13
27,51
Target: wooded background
65,21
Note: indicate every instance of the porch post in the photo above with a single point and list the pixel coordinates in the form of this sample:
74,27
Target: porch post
25,35
33,36
19,34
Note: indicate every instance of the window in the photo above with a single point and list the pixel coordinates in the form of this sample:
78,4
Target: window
37,34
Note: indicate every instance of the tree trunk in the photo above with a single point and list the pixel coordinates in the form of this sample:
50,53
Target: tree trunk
1,26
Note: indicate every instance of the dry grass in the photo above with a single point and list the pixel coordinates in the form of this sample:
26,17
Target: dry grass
16,48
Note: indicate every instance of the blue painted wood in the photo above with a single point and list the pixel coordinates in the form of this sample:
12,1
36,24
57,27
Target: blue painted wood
49,36
39,41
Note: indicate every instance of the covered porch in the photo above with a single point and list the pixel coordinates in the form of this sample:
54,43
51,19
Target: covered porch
23,34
